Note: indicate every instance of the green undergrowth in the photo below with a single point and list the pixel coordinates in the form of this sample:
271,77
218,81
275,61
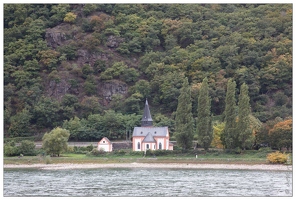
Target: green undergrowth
129,156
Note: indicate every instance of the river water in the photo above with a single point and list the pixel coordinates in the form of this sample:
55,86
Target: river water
145,182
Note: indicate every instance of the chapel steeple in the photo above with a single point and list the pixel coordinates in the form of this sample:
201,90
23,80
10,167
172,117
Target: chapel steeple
146,119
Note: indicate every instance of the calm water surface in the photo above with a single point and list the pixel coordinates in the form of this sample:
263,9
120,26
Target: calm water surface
145,182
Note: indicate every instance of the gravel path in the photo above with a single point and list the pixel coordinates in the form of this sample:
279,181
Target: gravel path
158,165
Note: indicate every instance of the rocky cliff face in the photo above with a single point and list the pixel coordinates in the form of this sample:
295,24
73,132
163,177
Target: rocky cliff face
113,87
85,57
113,41
58,90
56,36
63,34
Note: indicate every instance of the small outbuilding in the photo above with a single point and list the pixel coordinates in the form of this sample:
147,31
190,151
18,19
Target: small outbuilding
105,144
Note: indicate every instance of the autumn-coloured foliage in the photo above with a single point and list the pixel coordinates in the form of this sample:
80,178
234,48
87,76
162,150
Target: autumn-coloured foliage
70,17
217,130
281,134
277,158
99,21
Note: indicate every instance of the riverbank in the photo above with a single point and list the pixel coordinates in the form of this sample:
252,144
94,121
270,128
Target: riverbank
62,166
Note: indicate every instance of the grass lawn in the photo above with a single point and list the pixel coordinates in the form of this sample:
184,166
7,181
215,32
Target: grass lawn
219,157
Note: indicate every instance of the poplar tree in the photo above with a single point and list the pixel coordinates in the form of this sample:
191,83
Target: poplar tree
184,119
229,137
243,124
204,119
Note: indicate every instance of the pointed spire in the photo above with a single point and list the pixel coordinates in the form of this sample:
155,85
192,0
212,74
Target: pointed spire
147,119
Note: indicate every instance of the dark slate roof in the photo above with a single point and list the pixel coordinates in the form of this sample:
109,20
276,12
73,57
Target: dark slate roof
149,138
146,119
155,131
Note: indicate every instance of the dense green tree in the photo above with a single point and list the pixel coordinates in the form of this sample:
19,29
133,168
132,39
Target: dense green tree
45,113
132,103
262,136
58,13
184,119
130,75
143,87
89,8
27,148
120,70
167,86
36,30
162,120
20,124
56,141
69,50
243,125
204,121
69,100
129,122
74,127
229,135
113,124
90,85
90,105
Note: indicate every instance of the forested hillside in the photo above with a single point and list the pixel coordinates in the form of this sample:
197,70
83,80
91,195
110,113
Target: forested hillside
90,67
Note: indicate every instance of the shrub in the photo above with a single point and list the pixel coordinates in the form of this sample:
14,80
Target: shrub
70,149
136,153
90,147
120,152
277,158
159,152
11,150
265,149
81,150
237,150
48,160
96,152
27,148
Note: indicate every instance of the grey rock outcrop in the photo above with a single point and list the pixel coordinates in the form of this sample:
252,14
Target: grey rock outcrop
54,38
113,87
58,89
113,41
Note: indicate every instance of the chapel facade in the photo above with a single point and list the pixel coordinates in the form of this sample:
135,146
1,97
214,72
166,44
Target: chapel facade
149,137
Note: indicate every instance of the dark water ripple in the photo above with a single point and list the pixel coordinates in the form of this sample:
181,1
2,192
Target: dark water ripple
145,182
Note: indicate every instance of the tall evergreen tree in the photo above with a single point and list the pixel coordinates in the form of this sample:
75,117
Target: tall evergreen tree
204,119
243,125
229,136
184,119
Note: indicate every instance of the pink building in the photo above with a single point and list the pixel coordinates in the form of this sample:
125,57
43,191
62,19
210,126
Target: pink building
149,137
105,144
